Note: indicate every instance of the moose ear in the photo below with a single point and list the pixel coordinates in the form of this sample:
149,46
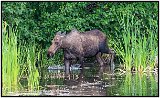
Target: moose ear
58,33
74,30
64,33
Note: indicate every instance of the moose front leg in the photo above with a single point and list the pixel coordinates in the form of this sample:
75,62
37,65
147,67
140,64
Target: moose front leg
67,66
81,59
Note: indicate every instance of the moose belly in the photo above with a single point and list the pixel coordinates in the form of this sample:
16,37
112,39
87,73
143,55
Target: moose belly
90,52
69,55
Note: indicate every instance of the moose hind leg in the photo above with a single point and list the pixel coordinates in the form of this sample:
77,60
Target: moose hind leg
99,59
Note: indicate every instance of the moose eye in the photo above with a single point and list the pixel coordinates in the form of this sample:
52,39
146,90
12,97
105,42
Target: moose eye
56,43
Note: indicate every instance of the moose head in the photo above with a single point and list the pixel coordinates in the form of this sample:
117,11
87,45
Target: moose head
56,43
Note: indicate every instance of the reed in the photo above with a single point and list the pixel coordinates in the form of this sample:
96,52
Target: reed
18,61
137,49
33,74
10,53
30,54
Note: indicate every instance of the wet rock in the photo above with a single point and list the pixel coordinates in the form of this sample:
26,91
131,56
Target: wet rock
60,67
55,67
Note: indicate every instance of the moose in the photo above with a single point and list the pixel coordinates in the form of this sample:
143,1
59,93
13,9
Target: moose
78,46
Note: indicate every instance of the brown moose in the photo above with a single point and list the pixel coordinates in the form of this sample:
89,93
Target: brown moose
78,46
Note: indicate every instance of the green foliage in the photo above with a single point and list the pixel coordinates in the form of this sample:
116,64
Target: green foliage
39,21
136,46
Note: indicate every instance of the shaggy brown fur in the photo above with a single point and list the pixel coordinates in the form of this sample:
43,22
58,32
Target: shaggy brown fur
78,45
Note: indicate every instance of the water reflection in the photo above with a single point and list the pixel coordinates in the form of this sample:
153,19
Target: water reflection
81,85
102,82
135,84
96,81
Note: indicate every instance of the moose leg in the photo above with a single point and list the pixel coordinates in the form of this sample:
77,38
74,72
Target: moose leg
112,63
99,59
80,77
102,59
82,65
67,66
67,71
81,61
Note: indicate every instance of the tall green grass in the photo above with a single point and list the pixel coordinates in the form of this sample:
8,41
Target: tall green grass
137,48
10,65
18,61
29,69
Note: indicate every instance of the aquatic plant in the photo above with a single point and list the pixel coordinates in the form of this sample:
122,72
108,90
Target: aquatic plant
10,54
18,61
138,46
33,74
29,57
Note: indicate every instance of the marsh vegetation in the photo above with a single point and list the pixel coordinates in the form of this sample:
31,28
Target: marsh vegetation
29,27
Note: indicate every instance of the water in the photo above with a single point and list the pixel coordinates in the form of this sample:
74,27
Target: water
94,82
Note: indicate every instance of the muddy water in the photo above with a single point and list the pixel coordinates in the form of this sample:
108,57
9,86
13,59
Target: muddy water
95,82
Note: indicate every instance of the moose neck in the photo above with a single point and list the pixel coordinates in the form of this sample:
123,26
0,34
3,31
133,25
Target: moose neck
64,43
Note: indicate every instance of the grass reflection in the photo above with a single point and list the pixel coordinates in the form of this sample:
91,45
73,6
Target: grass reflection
136,84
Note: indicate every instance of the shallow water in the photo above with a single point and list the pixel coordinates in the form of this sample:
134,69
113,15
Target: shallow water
94,82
